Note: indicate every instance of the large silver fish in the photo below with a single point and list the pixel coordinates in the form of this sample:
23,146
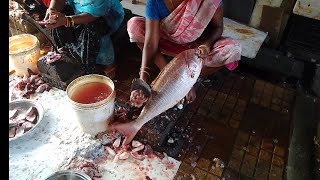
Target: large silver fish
172,84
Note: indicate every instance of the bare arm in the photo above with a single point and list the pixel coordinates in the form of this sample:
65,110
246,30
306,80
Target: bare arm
150,47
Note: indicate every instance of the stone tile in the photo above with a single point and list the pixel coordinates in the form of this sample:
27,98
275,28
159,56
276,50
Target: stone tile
278,92
276,101
264,155
225,115
246,90
261,174
256,96
211,93
242,139
276,173
255,140
221,97
263,165
253,150
234,164
178,176
234,123
267,144
259,84
203,163
279,150
268,88
236,116
237,154
230,174
185,168
248,165
277,160
265,100
199,174
241,106
216,171
275,107
212,177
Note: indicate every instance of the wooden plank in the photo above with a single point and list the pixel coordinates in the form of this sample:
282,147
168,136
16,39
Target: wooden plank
271,19
257,11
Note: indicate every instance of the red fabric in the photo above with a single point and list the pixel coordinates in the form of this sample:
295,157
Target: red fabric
46,2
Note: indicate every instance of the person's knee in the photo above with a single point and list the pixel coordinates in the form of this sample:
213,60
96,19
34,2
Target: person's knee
231,47
134,24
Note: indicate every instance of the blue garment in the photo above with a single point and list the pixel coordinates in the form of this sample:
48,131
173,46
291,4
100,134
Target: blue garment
113,14
157,10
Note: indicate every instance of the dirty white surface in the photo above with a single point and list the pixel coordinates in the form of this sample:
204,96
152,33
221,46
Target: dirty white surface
251,39
257,10
307,8
57,140
153,167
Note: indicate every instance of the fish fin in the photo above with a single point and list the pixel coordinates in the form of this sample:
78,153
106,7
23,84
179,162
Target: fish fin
140,84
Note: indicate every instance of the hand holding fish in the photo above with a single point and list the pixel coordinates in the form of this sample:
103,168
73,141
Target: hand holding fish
129,130
140,92
138,98
204,51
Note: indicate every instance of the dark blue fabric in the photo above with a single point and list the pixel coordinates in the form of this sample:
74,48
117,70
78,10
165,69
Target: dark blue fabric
157,10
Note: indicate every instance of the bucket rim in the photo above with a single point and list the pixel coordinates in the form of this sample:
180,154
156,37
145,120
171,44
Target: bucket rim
92,105
19,51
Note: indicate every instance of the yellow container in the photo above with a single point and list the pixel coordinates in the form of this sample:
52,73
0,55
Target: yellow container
24,52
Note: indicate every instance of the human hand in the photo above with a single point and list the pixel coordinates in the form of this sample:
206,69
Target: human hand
55,19
204,51
138,98
129,130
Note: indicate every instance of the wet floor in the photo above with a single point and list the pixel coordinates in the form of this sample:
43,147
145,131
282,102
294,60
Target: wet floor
239,119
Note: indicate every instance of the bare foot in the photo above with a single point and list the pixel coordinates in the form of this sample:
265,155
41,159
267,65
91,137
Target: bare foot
191,96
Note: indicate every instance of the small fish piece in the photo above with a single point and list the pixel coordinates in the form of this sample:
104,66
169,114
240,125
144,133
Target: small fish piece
136,143
137,156
27,125
19,131
41,88
139,148
31,118
13,113
116,157
117,142
170,140
12,132
123,156
110,151
33,78
13,123
148,150
31,111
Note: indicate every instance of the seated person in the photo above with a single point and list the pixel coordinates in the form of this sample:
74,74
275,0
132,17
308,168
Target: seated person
171,27
84,27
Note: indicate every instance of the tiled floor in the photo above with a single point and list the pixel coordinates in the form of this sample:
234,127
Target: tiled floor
239,119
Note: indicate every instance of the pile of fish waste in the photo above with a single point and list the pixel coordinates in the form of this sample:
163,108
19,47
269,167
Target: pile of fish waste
88,167
21,121
25,86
